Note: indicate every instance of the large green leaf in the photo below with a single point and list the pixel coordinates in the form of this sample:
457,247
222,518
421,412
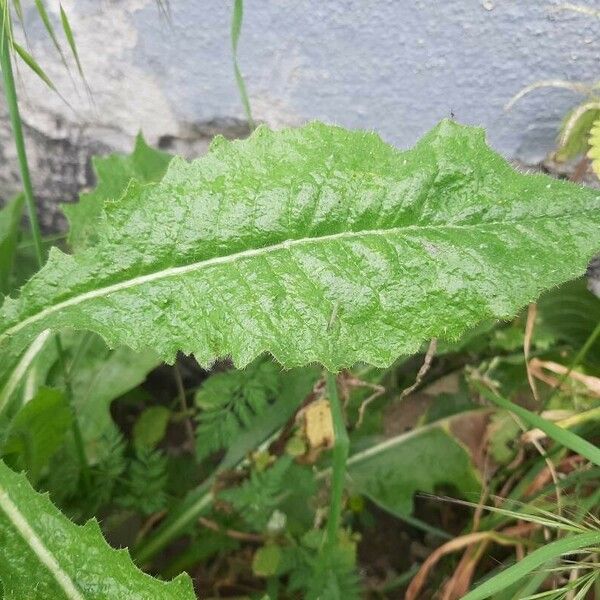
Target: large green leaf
391,472
113,172
10,221
316,244
43,555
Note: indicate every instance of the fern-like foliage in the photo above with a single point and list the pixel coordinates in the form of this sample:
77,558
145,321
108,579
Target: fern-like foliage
256,499
107,473
144,489
334,578
64,477
135,482
231,401
62,481
320,576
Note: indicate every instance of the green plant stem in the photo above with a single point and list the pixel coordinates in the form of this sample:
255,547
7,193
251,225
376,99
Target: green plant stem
195,506
79,352
47,241
77,435
10,94
183,407
236,28
340,455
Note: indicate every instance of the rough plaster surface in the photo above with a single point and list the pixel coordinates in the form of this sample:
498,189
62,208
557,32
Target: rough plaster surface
388,65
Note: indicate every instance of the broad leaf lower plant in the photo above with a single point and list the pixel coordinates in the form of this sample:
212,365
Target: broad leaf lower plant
391,472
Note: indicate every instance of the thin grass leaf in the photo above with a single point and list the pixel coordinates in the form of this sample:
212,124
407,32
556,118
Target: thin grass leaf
586,581
531,562
10,222
236,28
574,86
33,65
17,374
577,8
164,8
562,436
547,595
18,10
543,518
533,584
582,593
64,19
41,8
6,22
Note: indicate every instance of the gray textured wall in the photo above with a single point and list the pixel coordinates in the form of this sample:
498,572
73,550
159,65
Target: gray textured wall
390,65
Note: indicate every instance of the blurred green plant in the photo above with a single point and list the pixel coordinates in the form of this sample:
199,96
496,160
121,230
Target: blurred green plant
579,131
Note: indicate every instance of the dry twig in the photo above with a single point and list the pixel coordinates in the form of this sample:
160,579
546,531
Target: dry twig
506,537
242,536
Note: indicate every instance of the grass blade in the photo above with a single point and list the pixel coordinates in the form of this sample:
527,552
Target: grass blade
33,65
18,10
10,95
236,28
64,19
10,224
558,434
41,8
531,562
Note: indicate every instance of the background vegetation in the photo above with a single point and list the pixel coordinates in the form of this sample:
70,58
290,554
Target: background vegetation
468,467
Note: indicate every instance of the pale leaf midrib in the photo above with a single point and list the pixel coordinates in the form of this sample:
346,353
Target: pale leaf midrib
37,546
21,367
253,252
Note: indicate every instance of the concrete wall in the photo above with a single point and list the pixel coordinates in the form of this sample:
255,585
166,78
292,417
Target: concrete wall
390,65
